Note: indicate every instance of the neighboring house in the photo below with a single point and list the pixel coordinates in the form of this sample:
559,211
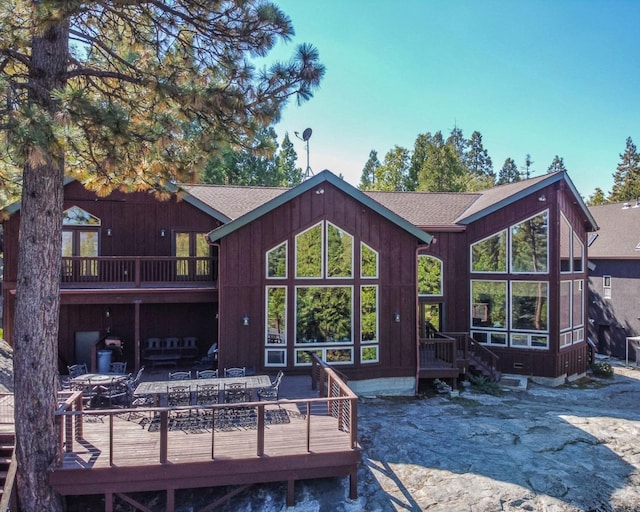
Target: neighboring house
614,278
364,279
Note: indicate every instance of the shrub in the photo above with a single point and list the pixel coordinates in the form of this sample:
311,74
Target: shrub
602,369
483,385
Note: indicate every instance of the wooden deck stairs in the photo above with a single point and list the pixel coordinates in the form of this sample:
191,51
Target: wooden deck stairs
448,356
7,469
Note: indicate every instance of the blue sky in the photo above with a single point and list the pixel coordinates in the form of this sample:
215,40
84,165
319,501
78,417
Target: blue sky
544,77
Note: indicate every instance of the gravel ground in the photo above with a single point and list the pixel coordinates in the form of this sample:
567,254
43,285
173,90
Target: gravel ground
568,449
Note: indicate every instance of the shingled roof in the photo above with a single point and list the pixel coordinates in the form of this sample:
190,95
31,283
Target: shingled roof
423,210
619,235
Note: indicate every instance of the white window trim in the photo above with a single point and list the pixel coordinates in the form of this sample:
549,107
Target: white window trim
275,365
441,294
507,318
335,344
369,361
325,250
362,244
510,244
518,329
377,338
266,316
322,251
286,265
507,255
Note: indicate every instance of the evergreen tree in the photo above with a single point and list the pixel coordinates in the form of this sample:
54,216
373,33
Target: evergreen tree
286,163
459,143
127,95
443,171
626,179
418,159
477,158
527,166
597,198
368,177
509,172
392,174
557,165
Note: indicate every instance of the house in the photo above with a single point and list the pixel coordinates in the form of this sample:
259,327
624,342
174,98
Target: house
385,286
614,278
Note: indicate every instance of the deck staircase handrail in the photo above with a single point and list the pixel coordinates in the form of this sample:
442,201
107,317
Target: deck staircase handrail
467,345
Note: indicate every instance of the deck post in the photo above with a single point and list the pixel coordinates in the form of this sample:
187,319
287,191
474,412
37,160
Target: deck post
171,500
353,484
164,430
108,501
291,497
260,443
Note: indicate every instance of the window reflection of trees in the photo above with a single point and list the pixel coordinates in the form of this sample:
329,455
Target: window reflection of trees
529,305
339,252
323,314
277,261
490,255
529,245
492,295
309,252
429,275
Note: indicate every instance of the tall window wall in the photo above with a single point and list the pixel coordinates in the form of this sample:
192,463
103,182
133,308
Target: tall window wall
571,287
331,293
510,286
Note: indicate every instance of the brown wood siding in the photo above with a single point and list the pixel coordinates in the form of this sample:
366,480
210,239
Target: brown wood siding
242,282
135,221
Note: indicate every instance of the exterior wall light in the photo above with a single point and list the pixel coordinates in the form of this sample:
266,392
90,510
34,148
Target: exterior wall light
396,317
163,233
245,320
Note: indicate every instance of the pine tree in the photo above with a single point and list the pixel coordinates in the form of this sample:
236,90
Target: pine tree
597,198
286,163
126,95
392,174
557,165
368,177
443,171
626,179
477,158
509,172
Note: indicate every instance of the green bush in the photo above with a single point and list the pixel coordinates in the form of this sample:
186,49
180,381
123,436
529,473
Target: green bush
602,369
483,385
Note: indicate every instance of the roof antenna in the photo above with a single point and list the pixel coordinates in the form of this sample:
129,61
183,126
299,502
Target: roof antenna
306,135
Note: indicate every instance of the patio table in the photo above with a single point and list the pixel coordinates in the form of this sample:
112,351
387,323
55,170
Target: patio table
97,382
158,388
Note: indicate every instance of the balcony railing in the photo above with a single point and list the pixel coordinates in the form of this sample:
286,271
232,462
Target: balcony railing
137,271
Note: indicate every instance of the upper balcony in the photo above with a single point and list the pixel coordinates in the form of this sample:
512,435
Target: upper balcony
116,272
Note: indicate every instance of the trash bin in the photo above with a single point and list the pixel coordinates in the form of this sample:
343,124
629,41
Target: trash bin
104,361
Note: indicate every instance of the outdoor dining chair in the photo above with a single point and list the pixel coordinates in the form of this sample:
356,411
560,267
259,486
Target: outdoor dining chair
178,395
75,370
271,392
235,372
207,394
118,367
207,374
114,393
235,392
179,375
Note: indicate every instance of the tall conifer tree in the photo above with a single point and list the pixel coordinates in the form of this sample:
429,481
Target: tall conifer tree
126,95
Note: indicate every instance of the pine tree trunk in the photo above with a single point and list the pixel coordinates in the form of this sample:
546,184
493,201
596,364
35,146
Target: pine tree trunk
38,286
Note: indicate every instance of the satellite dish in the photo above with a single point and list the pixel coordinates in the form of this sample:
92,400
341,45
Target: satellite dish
306,135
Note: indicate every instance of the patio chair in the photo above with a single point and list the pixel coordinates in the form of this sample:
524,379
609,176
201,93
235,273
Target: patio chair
115,393
180,375
178,395
118,367
207,394
235,393
75,370
235,372
207,374
271,393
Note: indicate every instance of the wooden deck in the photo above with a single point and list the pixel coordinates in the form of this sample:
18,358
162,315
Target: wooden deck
114,452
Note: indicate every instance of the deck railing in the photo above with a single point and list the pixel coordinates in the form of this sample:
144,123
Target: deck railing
438,352
71,418
136,271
